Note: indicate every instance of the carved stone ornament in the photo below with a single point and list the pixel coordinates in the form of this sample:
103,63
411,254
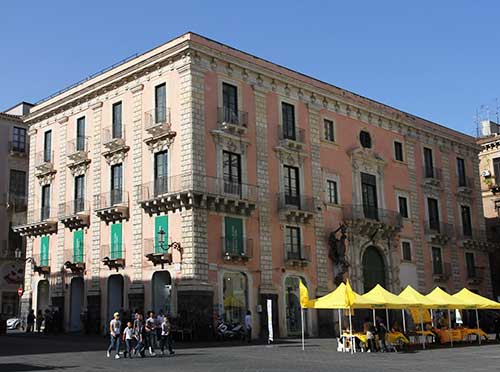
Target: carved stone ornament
116,157
286,156
79,168
46,178
230,142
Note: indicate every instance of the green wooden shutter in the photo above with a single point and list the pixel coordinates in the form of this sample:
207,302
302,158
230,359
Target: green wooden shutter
44,251
161,222
78,246
116,241
234,235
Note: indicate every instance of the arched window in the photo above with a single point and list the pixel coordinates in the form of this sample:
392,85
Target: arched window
373,268
292,302
235,289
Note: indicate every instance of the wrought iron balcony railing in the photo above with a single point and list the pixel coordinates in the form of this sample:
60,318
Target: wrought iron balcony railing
157,118
44,159
467,182
111,198
432,172
236,248
74,207
367,212
227,115
19,148
296,134
287,201
78,145
114,136
438,227
441,270
224,187
297,252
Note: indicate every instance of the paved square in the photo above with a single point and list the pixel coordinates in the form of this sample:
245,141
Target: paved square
75,354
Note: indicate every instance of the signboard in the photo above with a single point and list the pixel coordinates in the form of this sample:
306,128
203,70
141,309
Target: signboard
270,319
20,292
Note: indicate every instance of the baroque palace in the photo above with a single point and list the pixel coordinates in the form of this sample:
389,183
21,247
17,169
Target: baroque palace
202,181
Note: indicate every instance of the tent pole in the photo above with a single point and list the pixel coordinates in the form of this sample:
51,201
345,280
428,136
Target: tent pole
404,320
340,324
302,319
478,329
432,318
422,328
449,324
353,345
387,319
374,321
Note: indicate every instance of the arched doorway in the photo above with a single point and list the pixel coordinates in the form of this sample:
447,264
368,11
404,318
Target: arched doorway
76,304
115,295
373,268
42,298
162,288
292,304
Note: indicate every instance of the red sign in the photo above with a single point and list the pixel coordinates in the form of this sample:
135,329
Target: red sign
20,291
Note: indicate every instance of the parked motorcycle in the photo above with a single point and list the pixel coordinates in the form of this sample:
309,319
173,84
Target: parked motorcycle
228,331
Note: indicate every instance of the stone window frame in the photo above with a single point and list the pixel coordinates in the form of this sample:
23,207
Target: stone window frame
295,104
334,124
249,290
434,156
460,204
150,103
295,225
223,216
336,178
441,248
404,194
370,136
403,151
411,260
468,251
426,206
239,90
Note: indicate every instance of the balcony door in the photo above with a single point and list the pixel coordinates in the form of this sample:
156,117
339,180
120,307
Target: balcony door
466,220
437,262
428,163
433,208
44,251
47,146
77,246
369,194
230,103
45,212
231,172
233,230
117,121
292,242
461,172
116,183
471,264
161,173
288,117
160,103
79,193
80,134
292,185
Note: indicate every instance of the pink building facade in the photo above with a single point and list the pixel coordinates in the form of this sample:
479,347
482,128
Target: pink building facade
203,181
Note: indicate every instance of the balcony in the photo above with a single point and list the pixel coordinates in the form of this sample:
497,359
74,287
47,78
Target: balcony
44,164
113,256
114,143
233,122
74,261
295,208
441,273
41,265
292,140
75,214
465,185
40,222
438,232
19,149
473,238
7,252
475,275
16,203
169,194
297,255
112,206
372,221
236,250
157,123
432,175
78,153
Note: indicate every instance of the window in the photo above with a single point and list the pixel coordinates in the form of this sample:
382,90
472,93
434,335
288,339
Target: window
79,193
291,186
233,235
116,183
369,193
406,248
44,251
437,263
288,117
47,146
365,139
19,139
292,242
161,103
398,151
17,184
80,134
462,181
403,206
496,170
329,130
466,220
433,209
331,192
428,163
470,264
45,212
231,172
234,292
117,120
161,172
230,103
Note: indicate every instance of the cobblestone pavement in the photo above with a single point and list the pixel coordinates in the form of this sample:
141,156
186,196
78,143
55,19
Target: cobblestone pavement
75,353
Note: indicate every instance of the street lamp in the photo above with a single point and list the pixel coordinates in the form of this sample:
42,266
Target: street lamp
18,253
161,238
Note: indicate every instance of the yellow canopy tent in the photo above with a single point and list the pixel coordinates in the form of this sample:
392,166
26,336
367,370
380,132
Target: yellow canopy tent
378,296
343,297
305,302
476,301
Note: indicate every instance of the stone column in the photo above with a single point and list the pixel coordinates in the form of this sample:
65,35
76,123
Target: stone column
136,291
28,267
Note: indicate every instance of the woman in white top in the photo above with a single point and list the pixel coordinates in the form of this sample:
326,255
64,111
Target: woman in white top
115,326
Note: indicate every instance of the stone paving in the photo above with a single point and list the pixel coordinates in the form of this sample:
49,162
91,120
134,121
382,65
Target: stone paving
41,353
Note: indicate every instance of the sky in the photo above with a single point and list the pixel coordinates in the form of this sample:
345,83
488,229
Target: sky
434,59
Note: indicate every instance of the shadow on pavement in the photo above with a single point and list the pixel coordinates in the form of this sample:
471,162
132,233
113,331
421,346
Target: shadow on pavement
20,367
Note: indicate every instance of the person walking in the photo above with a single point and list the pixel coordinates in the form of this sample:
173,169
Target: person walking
140,335
30,321
382,333
248,326
166,336
150,333
158,322
39,321
115,326
128,337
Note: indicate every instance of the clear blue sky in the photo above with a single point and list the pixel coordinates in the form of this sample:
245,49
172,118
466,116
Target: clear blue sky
435,59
